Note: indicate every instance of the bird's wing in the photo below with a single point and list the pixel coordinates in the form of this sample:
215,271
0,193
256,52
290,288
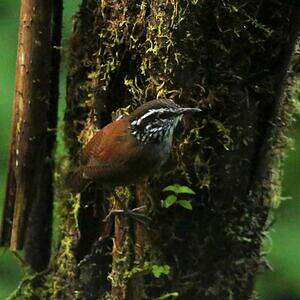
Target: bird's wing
110,150
91,147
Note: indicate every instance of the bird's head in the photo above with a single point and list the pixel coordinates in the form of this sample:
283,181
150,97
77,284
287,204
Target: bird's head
157,119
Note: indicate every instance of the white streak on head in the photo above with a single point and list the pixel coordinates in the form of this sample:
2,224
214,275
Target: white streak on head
149,113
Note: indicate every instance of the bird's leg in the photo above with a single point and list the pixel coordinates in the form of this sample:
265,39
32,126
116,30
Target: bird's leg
131,213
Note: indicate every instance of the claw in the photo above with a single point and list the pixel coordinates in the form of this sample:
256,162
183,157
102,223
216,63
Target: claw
130,213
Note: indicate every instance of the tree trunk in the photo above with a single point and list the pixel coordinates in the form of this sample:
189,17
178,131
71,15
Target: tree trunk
231,60
29,183
27,216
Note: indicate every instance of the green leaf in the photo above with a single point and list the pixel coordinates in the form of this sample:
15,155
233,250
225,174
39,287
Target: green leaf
168,295
186,190
179,189
169,201
166,269
186,204
156,272
172,188
159,270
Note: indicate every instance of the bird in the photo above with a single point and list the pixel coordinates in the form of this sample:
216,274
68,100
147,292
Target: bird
130,148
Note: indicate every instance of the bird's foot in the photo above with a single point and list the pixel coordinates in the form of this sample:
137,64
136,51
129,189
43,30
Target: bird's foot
131,213
137,215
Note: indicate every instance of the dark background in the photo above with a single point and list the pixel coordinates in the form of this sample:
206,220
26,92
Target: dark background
282,245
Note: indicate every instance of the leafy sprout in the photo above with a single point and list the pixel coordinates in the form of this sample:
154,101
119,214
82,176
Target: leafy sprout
176,191
159,270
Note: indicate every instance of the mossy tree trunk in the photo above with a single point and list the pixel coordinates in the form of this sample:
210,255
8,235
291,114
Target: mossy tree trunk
228,58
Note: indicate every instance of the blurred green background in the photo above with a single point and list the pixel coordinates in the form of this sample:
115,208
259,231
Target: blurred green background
283,244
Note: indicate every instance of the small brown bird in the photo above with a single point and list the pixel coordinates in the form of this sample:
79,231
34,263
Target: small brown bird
131,148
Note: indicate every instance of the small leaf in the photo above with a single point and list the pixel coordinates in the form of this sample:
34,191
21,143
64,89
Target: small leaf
168,295
179,189
169,201
186,204
185,190
166,269
159,270
172,188
156,271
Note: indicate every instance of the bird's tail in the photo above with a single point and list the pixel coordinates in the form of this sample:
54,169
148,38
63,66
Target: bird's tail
75,182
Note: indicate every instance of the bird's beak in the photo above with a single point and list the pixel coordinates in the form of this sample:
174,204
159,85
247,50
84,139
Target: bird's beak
186,110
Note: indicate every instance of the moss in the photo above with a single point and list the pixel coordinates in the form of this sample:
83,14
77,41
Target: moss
60,278
121,264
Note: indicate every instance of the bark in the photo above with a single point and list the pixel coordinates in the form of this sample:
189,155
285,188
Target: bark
136,285
28,146
29,195
120,251
230,59
39,229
